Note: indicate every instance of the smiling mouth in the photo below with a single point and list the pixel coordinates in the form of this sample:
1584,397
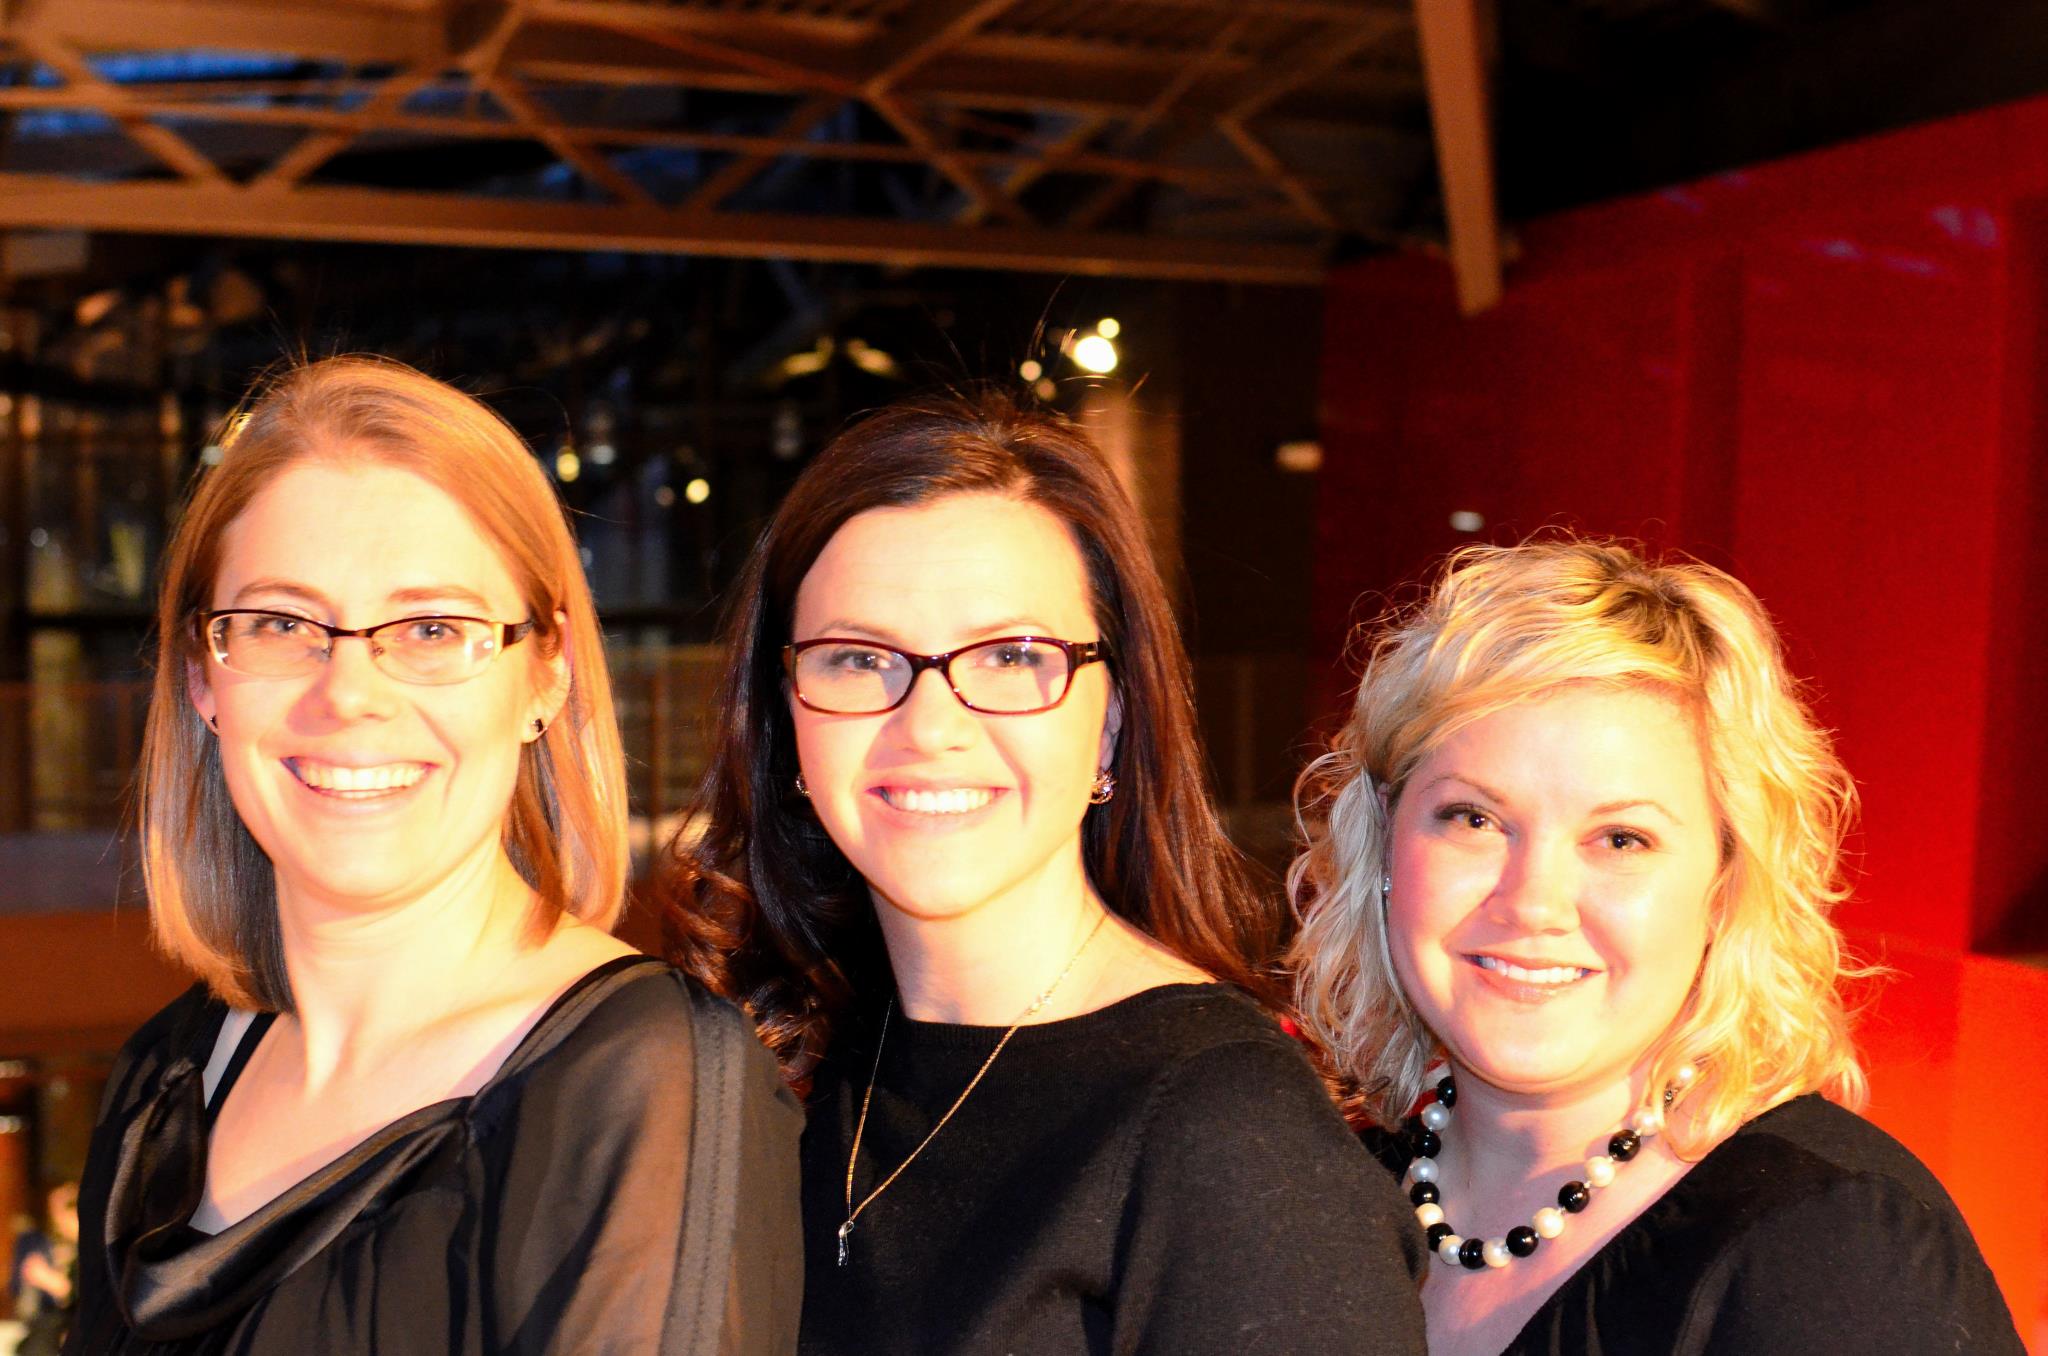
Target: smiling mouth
1549,977
958,800
356,783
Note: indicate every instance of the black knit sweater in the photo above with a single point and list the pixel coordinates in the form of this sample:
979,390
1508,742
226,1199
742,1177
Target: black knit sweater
1163,1175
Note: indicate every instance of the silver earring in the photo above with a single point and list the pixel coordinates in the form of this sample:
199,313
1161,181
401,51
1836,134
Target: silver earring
1386,888
802,788
1104,788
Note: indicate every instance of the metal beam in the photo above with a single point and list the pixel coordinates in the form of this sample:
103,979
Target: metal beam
737,173
1249,96
161,142
342,32
1263,158
1454,65
544,127
930,29
380,117
387,217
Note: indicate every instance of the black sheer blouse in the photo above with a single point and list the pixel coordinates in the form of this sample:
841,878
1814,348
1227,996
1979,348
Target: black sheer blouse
544,1213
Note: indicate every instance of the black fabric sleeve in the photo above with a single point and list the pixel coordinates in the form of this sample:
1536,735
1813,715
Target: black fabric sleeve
1865,1263
1256,1222
135,1069
584,1226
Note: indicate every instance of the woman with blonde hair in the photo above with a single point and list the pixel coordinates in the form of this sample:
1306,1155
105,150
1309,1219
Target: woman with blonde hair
1569,885
422,1100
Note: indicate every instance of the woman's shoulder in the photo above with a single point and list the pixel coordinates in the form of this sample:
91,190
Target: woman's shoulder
1221,1066
1185,1042
179,1032
632,1008
627,1037
1811,1190
1808,1150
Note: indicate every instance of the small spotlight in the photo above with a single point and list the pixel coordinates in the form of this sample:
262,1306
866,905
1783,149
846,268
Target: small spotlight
1030,370
1093,353
603,454
698,490
567,465
1108,328
664,496
1302,457
1465,520
1044,389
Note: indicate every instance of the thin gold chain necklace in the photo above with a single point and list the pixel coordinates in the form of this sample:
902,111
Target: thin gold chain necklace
860,1127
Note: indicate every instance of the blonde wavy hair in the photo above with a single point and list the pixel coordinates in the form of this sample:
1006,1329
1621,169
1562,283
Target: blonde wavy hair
212,895
1766,1019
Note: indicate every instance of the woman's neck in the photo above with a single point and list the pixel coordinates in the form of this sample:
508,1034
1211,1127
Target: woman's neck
1507,1153
987,964
364,980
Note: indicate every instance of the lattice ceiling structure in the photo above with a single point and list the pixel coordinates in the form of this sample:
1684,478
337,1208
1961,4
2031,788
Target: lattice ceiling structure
1153,138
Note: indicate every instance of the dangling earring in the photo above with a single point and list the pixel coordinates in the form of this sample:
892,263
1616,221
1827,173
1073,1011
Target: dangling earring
802,788
1386,888
1104,788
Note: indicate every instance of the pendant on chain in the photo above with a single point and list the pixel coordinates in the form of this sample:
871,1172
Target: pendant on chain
844,1230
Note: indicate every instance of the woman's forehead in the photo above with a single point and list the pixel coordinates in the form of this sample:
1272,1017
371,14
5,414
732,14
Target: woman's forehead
960,565
363,532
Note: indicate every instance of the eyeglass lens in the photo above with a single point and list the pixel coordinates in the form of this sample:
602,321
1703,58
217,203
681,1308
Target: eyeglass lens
1009,677
417,649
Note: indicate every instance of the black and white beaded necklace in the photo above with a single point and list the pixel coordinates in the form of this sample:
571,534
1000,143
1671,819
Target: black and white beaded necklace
1574,1196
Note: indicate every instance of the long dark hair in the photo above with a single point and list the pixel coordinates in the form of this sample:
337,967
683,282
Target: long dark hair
756,900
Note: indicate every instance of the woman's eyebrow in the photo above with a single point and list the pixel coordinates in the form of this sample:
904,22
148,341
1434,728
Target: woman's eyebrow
435,593
1617,806
283,586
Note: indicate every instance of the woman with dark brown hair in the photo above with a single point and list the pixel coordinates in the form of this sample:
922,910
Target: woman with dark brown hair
955,853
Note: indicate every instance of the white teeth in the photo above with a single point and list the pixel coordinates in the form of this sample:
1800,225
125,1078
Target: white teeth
1556,974
383,777
957,800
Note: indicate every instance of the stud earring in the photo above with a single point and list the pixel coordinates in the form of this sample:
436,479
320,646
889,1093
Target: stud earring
540,727
802,787
1104,788
213,724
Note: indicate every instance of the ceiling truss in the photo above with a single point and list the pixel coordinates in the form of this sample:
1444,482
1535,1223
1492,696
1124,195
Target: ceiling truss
982,106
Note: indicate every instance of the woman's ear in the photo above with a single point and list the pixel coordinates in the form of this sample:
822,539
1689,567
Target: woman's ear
1112,726
556,674
200,692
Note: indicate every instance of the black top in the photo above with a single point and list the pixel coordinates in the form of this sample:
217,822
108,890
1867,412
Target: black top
1807,1230
1165,1175
544,1213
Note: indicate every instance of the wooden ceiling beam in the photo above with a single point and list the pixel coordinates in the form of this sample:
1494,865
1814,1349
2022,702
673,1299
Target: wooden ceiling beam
350,214
1454,65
